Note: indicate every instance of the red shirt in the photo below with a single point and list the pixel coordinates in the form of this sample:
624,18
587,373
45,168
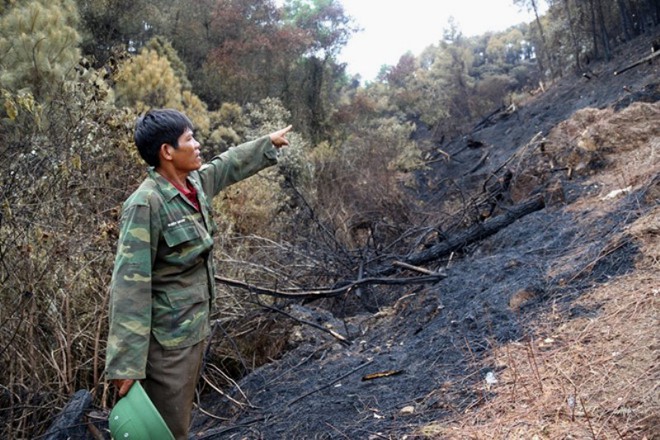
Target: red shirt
189,192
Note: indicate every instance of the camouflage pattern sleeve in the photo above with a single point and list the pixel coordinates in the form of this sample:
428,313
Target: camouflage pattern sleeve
130,295
236,164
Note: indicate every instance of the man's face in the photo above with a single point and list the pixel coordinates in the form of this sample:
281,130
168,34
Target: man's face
186,157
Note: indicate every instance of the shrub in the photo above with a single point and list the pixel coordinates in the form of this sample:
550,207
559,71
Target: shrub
65,169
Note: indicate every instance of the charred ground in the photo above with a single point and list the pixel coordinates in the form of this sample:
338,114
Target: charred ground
546,328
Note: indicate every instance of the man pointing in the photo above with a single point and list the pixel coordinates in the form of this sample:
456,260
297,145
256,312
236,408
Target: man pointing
162,286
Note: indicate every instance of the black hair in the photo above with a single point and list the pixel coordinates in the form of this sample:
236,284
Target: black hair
158,127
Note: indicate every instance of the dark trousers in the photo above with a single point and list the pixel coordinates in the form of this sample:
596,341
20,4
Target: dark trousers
172,376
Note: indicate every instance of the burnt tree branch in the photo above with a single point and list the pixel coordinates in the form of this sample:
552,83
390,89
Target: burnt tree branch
329,292
474,233
638,62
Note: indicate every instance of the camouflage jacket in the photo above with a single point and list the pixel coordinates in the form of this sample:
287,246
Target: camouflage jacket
162,283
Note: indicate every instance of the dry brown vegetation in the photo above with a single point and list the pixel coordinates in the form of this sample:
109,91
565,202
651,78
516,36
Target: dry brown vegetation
61,190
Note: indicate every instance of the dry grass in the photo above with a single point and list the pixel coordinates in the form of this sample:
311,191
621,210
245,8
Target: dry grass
594,139
577,378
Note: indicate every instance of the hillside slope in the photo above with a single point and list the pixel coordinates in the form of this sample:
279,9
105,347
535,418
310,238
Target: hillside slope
546,329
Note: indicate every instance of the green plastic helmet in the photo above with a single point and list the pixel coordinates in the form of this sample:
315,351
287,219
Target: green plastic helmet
135,417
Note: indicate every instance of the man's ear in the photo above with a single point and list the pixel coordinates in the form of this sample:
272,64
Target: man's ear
165,152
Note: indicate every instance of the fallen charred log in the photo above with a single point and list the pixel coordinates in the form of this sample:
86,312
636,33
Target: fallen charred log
637,63
474,233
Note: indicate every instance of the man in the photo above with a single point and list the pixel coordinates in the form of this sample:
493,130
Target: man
162,285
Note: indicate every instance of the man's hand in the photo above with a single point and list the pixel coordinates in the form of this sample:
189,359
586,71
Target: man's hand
278,137
123,385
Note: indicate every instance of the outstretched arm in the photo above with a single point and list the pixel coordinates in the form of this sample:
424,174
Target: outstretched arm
242,161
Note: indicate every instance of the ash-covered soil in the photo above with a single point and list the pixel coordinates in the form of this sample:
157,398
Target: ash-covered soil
423,358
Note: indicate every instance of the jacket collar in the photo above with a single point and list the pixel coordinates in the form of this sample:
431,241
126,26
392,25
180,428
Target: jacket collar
168,190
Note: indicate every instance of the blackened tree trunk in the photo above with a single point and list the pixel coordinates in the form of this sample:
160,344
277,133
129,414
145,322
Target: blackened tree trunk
651,14
545,50
594,29
314,92
603,31
626,20
574,41
654,7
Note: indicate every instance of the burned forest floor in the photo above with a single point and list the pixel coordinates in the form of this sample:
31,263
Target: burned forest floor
547,328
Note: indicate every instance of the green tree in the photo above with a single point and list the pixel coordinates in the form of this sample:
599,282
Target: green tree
165,49
38,45
111,24
506,48
446,103
325,28
147,80
325,23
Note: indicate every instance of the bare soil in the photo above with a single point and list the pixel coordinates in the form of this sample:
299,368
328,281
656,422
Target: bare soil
547,329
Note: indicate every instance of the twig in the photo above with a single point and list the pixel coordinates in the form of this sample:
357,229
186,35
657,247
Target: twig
334,334
414,268
341,433
277,378
211,415
533,363
447,156
233,383
609,249
328,292
381,374
481,161
213,433
586,415
358,368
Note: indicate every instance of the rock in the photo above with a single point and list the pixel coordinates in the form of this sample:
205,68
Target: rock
407,409
69,423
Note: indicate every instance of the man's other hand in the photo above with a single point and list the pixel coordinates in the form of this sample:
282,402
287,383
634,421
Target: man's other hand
123,385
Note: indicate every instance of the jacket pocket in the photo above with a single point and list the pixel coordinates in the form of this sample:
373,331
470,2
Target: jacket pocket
180,317
183,231
182,298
